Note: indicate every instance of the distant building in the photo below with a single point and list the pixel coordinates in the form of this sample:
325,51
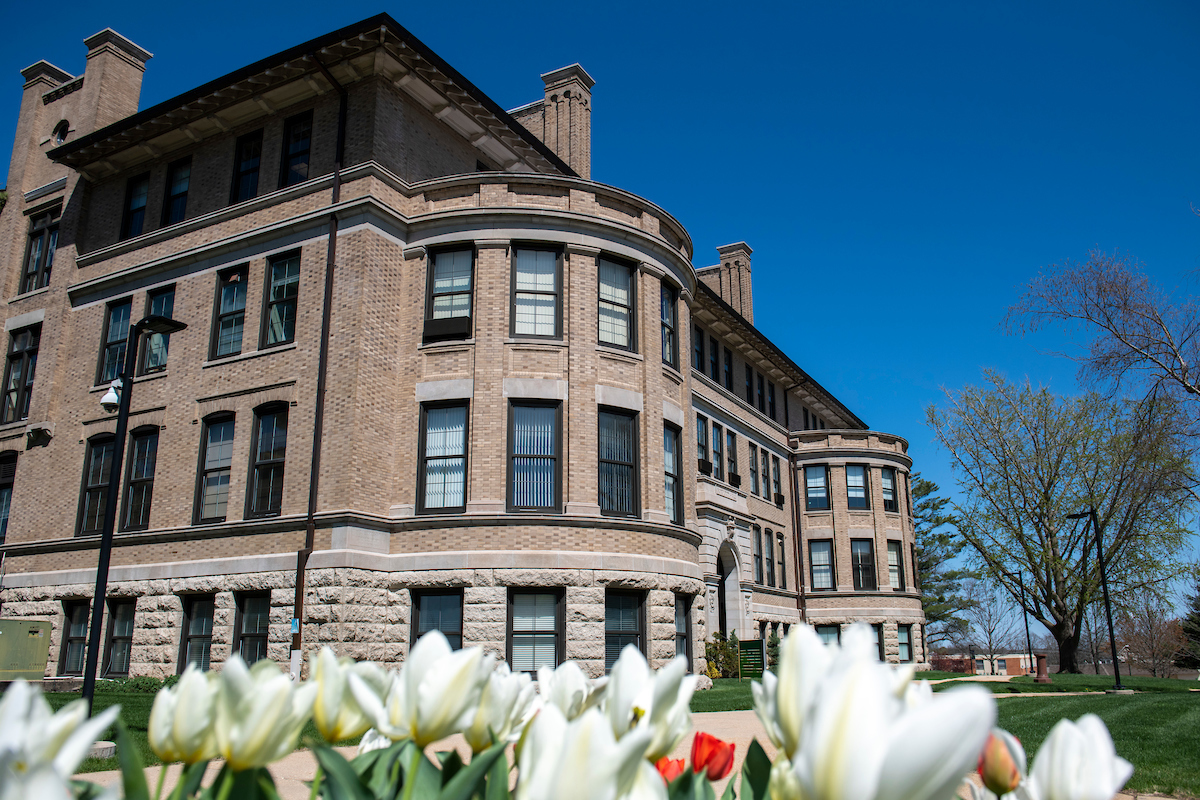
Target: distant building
544,432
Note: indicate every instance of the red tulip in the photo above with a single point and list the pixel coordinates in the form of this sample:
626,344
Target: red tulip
670,768
711,756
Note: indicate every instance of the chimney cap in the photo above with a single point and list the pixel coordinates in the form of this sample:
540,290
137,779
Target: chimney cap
109,36
730,249
566,74
45,69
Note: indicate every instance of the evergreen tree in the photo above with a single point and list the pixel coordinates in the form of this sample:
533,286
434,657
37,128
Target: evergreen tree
938,544
1189,656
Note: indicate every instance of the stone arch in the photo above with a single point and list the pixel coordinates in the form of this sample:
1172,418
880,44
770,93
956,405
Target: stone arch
729,589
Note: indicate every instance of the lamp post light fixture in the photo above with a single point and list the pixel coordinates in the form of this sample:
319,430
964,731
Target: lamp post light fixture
117,398
1025,613
1090,514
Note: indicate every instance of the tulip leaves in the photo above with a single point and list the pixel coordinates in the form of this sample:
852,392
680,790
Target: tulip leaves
133,777
756,773
383,774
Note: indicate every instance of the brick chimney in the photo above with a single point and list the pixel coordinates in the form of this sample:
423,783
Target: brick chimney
112,81
563,120
731,278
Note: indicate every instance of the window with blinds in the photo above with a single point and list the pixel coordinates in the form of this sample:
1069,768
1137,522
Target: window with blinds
615,312
75,633
671,477
816,488
862,562
536,280
856,487
197,632
450,284
820,563
904,635
683,628
252,626
623,625
895,565
443,478
830,634
535,624
438,611
616,447
887,481
534,463
120,637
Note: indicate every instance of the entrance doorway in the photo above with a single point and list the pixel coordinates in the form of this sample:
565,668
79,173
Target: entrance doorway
727,586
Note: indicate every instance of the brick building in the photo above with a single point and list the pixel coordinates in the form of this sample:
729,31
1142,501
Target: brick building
543,431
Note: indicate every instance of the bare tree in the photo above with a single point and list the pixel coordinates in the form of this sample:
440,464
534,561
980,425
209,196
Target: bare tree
1025,459
1135,329
1150,635
994,625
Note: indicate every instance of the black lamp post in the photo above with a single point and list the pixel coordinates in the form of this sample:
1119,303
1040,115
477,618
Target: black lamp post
1025,613
117,398
1112,637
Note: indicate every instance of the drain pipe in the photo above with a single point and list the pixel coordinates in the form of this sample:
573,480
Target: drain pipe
801,599
314,476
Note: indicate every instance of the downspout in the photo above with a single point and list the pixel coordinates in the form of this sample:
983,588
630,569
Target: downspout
314,477
801,598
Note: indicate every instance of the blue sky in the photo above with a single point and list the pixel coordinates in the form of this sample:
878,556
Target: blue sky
899,169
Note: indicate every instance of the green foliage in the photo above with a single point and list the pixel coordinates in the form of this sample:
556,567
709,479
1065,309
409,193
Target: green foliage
1189,657
140,685
723,654
726,694
938,545
772,650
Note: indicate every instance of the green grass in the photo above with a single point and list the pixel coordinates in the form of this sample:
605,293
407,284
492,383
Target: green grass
135,712
934,675
1159,733
727,694
1078,683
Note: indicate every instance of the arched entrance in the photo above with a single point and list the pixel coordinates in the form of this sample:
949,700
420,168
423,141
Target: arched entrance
728,590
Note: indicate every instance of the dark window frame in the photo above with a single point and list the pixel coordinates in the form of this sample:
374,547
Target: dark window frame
642,629
859,567
146,342
634,420
67,640
269,302
820,628
782,560
749,384
423,459
415,622
224,278
901,644
675,514
239,617
185,637
765,460
809,504
560,621
8,478
728,367
133,220
714,356
717,446
138,434
40,246
771,401
557,456
631,309
26,357
754,485
812,564
756,553
454,327
668,311
117,346
731,470
218,418
898,549
290,126
878,626
769,556
258,464
698,348
686,633
776,481
558,293
852,503
169,216
110,637
99,489
893,504
760,382
240,173
702,461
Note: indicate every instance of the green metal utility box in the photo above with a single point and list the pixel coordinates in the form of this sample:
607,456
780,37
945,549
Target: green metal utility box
24,646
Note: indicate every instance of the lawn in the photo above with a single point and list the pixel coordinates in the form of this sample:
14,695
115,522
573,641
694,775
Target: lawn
1079,683
727,694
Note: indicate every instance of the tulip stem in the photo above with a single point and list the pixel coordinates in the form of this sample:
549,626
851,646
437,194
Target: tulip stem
162,775
410,777
316,783
226,785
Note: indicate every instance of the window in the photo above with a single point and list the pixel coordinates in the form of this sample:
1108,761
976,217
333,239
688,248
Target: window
442,483
728,369
669,312
438,611
8,472
820,563
624,625
616,321
297,143
895,566
887,482
753,470
718,459
231,312
116,336
776,483
698,348
39,250
196,642
18,372
908,496
771,399
216,458
179,177
97,466
749,385
878,630
139,479
74,642
714,355
154,355
862,562
766,474
912,552
756,550
702,444
769,553
537,305
904,634
270,449
830,634
61,130
683,628
617,448
856,487
448,304
247,157
671,463
535,624
252,625
816,488
533,457
120,637
762,395
731,454
134,216
283,286
782,562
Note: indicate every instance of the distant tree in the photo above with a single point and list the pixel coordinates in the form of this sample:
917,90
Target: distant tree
994,627
772,649
1026,458
3,199
1150,636
940,581
1189,655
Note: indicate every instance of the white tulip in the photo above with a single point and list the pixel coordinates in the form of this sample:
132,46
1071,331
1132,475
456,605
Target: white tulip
580,759
41,749
373,740
638,698
783,699
1077,762
336,713
506,705
260,713
181,720
435,694
567,688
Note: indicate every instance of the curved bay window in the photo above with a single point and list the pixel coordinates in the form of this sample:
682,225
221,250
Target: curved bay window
536,293
442,484
534,468
97,466
617,449
616,318
143,453
448,299
270,448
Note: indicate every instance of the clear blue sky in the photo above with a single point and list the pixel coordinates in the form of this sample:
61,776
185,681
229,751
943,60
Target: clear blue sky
899,169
